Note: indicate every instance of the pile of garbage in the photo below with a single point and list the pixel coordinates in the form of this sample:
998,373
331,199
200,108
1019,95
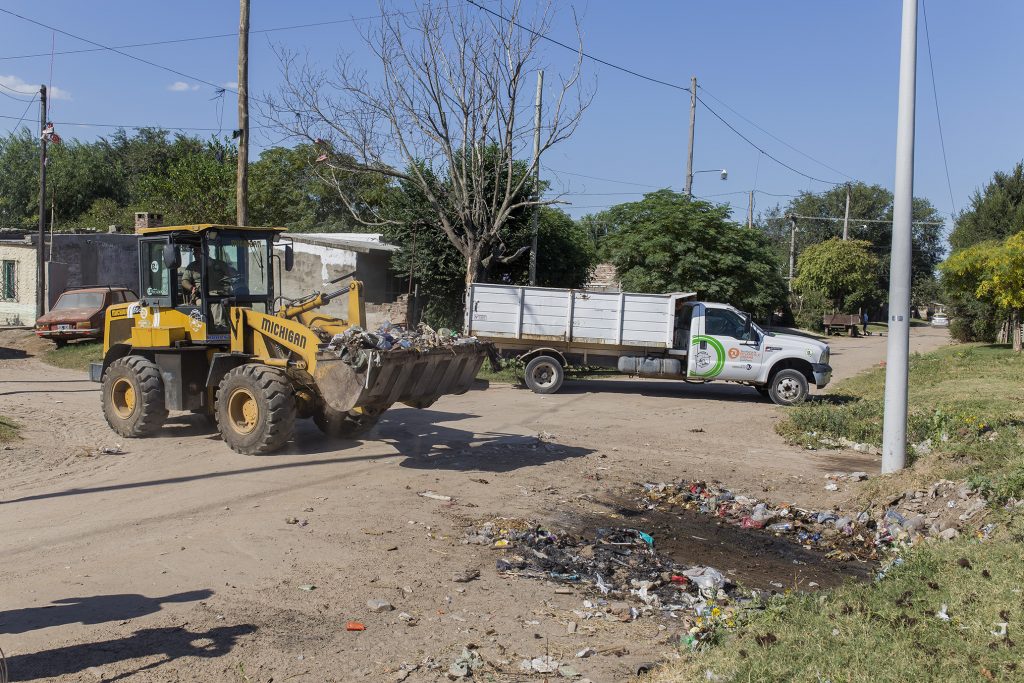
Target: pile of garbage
909,518
628,577
390,337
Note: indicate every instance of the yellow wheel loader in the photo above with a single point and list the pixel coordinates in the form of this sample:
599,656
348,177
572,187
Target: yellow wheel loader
211,335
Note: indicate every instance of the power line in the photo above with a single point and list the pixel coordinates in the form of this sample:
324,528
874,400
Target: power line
23,114
208,37
760,149
123,125
578,51
661,82
16,92
938,117
773,136
861,220
117,51
607,180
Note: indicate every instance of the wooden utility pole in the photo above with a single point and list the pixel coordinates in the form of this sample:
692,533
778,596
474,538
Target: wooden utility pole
693,119
242,180
41,238
536,156
846,219
792,250
750,210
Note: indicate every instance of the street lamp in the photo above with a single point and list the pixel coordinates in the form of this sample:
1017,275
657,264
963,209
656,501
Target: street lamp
724,175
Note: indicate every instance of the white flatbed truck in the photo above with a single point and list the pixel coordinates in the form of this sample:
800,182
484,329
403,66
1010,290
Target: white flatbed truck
669,336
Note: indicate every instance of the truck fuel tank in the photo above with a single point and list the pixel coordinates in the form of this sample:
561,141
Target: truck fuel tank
651,367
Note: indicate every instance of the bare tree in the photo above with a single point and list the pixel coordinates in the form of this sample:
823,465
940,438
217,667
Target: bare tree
449,114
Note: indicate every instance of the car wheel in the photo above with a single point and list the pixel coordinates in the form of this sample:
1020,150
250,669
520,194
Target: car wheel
788,387
60,343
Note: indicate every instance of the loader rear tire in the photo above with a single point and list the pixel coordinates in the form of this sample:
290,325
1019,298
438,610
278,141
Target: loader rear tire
133,397
255,409
346,425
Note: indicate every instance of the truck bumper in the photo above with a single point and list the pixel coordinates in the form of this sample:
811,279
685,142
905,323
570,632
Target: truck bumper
822,374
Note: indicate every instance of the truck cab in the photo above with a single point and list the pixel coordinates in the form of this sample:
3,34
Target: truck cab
720,342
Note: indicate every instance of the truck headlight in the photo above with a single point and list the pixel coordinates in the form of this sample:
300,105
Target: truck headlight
825,356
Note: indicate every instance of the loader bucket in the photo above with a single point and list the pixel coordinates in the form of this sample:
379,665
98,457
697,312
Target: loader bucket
414,377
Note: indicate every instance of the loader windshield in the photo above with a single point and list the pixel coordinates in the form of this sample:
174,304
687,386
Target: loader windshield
237,266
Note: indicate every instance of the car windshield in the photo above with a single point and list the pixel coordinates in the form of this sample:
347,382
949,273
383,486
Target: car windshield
79,300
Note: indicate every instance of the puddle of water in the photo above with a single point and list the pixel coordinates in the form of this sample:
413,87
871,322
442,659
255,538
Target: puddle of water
749,557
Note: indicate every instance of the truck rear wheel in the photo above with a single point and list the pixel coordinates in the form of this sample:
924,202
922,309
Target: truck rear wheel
255,409
788,387
544,375
348,424
133,397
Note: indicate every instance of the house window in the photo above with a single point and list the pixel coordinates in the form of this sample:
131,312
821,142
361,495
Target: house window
9,280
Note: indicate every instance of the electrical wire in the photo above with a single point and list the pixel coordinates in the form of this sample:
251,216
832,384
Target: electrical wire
938,116
123,54
208,37
16,92
130,127
772,135
665,83
23,114
760,149
607,180
579,51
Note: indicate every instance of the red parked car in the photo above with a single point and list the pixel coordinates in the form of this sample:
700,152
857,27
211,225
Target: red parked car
79,313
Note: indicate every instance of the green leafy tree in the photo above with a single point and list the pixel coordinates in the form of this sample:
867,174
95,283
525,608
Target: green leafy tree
565,253
995,272
844,272
996,212
19,179
667,242
873,203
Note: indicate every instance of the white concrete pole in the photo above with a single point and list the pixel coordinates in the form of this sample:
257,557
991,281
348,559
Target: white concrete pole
894,435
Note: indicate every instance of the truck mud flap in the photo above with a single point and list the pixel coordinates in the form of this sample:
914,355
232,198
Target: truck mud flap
415,378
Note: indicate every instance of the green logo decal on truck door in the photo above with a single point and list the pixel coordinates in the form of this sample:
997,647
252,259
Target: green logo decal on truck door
704,364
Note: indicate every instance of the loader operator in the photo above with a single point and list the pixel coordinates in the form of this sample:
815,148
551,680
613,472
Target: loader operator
221,276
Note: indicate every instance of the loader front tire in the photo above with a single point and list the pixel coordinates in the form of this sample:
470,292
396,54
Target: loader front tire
133,397
348,424
255,409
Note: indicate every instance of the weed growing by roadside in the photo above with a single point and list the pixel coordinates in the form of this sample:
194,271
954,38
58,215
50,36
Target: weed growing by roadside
8,429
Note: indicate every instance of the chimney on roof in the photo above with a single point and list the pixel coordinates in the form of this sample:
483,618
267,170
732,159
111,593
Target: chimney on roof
145,219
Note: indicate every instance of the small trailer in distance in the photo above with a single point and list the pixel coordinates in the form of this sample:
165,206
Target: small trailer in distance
668,336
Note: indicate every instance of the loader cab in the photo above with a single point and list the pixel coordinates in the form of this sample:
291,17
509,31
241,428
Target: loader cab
201,271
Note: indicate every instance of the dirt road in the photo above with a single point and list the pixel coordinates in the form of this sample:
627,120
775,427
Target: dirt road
176,561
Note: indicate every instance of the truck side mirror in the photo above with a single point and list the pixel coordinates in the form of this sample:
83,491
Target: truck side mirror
289,257
172,259
747,325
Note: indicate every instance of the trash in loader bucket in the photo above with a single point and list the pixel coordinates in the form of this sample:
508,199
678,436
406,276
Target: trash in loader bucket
360,369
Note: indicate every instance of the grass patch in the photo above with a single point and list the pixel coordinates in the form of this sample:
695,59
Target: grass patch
886,631
966,408
8,429
75,356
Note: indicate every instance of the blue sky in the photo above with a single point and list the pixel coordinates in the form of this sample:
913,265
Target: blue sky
819,75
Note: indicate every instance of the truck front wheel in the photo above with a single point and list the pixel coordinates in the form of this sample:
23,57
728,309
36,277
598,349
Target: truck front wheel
788,387
255,409
544,375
